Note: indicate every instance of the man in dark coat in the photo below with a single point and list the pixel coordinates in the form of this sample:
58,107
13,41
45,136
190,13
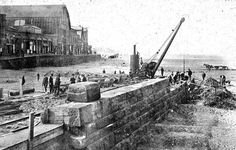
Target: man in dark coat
190,74
51,83
83,78
162,71
57,84
38,76
203,76
23,80
45,83
72,79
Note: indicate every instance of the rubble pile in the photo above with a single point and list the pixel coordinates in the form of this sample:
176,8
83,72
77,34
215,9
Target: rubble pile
40,104
105,80
214,95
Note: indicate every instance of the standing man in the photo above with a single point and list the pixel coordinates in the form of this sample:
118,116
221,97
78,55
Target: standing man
21,85
83,78
162,71
45,83
170,79
51,83
72,79
78,78
203,76
223,79
57,84
38,76
190,73
23,80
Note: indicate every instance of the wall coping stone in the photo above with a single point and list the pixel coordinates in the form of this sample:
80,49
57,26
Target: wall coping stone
125,89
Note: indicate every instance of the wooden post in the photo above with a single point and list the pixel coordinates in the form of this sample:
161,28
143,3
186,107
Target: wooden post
31,131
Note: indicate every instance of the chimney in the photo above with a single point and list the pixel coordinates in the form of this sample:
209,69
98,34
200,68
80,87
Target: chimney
134,49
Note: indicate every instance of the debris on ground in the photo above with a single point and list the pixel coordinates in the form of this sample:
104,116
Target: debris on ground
213,94
41,104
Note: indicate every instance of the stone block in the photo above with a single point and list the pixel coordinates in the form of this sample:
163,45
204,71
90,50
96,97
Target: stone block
72,114
84,92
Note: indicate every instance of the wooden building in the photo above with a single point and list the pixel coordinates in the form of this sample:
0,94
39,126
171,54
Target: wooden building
23,40
51,21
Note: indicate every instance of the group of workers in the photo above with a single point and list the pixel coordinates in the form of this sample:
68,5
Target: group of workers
53,87
223,80
180,76
80,78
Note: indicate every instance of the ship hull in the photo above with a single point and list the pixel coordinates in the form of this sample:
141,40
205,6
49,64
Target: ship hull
45,61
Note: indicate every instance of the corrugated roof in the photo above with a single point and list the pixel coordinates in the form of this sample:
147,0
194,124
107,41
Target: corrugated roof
34,11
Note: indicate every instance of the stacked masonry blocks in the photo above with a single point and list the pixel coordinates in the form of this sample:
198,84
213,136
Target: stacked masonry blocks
119,118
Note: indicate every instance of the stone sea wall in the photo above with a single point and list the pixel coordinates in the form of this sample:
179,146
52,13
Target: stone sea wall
119,118
112,120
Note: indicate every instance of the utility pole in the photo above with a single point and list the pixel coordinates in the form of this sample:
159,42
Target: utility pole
183,63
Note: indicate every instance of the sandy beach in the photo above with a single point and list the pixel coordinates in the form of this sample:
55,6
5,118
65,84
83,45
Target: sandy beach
10,79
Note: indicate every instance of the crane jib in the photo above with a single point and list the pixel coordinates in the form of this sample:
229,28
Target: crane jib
167,47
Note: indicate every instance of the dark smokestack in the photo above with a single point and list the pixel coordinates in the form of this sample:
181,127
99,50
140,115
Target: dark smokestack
134,49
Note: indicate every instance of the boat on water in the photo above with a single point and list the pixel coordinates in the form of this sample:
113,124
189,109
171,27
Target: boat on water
216,67
41,35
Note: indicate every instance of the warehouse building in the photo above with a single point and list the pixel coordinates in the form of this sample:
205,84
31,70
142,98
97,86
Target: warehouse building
50,21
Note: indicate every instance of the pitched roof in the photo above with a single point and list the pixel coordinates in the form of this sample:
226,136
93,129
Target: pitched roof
34,10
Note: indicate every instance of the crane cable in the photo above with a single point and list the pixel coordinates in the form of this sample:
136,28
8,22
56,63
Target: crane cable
152,58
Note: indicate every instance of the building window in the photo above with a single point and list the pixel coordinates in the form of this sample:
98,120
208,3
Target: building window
19,22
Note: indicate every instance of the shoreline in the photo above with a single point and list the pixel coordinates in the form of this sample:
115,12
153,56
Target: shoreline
9,79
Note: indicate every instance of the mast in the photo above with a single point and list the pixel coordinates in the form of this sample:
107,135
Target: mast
184,65
167,47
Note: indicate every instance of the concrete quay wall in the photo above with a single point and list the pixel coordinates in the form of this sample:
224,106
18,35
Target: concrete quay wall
119,118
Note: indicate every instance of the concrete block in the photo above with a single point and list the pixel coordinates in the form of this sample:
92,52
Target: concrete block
84,92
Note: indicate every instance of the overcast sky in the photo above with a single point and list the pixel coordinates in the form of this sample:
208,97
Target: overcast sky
209,28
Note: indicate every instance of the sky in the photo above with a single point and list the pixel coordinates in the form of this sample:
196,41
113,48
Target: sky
119,24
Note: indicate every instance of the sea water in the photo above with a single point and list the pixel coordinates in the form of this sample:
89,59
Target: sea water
197,67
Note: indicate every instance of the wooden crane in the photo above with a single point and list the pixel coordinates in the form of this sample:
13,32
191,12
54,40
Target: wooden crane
149,69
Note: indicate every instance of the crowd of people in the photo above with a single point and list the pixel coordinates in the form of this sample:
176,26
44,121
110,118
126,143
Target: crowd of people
54,87
178,76
175,78
182,76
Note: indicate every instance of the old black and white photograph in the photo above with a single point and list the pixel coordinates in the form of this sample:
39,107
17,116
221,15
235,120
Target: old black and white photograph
117,75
